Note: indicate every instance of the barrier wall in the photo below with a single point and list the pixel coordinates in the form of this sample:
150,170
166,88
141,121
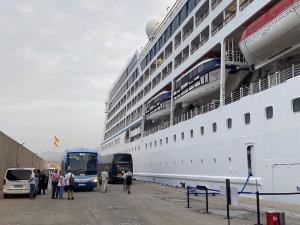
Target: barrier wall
12,154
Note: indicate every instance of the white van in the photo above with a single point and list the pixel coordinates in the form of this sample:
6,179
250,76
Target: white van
16,181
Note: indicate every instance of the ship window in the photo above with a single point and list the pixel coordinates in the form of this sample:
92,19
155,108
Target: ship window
249,160
229,123
202,80
167,140
202,130
160,141
269,112
296,105
214,127
206,78
177,40
150,144
192,133
174,137
155,143
182,135
247,118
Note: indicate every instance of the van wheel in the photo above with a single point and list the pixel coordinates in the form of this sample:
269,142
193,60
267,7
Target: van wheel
5,195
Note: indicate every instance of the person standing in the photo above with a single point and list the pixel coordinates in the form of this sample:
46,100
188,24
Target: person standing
70,181
43,182
61,185
128,180
32,183
104,179
54,178
124,181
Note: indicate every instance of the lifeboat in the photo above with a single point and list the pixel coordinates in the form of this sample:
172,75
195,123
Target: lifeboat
200,81
159,106
273,33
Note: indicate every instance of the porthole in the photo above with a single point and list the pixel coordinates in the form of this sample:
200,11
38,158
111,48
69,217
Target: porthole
269,112
247,118
296,104
202,130
214,127
229,123
192,133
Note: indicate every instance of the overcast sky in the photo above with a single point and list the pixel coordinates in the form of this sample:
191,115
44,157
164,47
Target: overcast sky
58,58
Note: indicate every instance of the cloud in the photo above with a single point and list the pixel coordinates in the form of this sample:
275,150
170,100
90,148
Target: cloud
58,61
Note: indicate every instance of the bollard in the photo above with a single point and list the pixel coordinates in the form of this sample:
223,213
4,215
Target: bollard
257,208
188,196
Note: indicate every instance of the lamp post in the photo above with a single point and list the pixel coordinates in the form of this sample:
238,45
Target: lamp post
18,145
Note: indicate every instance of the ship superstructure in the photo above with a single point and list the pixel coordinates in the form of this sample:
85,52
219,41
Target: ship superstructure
213,95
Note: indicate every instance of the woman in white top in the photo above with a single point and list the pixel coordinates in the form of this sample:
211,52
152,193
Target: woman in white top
61,185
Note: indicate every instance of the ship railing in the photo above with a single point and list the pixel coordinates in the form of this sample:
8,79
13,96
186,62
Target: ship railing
201,18
229,17
265,83
197,46
165,74
244,4
215,3
157,127
217,28
197,111
235,56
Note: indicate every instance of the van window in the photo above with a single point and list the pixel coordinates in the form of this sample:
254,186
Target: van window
18,174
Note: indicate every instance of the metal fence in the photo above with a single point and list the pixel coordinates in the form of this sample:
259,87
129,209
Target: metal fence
265,83
196,111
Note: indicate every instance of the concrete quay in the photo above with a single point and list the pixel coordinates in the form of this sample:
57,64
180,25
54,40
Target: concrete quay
149,204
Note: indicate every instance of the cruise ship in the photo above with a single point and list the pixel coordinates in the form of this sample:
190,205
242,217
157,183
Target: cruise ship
214,95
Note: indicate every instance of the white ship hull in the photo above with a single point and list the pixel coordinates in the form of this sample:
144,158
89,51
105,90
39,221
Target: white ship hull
275,145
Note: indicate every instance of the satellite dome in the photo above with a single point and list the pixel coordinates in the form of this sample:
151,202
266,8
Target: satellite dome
152,26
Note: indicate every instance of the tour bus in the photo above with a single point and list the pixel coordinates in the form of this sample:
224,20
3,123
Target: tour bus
116,164
83,163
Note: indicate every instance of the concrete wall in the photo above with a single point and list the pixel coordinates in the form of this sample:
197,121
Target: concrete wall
12,154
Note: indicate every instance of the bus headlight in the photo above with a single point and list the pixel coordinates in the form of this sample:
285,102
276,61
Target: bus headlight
95,180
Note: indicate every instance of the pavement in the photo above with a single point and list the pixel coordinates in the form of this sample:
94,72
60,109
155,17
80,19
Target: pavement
148,204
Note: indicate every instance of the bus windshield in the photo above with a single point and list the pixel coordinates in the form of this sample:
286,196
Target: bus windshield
82,163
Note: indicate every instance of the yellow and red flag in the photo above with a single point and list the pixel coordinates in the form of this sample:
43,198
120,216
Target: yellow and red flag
56,141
